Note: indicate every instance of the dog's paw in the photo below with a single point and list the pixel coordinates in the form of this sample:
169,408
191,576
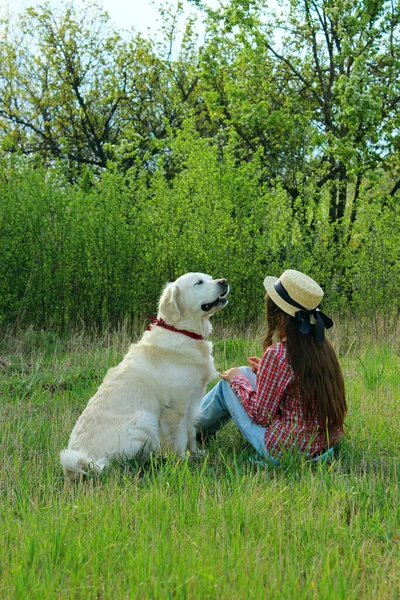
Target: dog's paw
196,452
200,453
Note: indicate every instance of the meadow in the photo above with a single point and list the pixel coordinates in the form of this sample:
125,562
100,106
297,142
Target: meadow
220,526
127,160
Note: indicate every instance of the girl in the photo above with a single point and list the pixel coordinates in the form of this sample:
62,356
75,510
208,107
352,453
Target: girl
292,398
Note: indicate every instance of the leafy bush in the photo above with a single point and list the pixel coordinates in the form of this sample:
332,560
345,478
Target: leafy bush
99,251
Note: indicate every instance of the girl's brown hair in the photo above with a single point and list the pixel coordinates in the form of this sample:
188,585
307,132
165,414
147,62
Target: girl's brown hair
320,378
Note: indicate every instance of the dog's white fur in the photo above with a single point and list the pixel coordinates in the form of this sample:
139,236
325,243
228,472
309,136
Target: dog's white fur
149,402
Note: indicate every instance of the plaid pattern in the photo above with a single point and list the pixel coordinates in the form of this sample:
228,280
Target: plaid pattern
278,406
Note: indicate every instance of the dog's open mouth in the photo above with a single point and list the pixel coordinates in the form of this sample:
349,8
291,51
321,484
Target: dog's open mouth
220,301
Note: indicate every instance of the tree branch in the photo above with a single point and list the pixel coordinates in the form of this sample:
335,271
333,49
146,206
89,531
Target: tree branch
395,188
296,72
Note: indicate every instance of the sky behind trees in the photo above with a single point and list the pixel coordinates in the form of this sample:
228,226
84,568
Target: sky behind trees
140,14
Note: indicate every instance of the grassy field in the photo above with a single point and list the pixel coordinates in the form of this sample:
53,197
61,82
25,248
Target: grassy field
217,527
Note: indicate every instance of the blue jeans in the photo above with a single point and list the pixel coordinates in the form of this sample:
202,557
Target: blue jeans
222,404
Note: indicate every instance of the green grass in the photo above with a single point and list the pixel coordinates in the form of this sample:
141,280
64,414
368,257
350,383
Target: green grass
216,527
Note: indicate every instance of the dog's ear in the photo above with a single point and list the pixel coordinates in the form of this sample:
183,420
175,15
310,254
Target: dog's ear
169,307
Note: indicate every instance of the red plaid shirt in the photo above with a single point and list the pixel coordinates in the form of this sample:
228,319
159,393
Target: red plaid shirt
278,405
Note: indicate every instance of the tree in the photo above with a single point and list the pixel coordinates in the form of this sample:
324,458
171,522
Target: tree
57,79
73,88
322,99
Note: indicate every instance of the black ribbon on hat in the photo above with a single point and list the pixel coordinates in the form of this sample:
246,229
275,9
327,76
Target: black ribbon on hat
302,316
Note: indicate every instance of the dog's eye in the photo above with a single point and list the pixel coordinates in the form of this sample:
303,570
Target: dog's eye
199,282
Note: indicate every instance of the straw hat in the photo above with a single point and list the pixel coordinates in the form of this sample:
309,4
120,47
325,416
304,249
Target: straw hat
294,291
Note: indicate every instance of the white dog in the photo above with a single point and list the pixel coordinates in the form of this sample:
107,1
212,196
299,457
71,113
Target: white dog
149,402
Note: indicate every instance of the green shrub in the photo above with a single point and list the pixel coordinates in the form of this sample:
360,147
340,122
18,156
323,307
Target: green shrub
100,251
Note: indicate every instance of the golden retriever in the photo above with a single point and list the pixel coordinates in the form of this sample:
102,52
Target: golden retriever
149,402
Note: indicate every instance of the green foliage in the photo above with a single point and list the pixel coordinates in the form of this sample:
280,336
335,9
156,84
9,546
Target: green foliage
127,161
378,367
101,250
72,88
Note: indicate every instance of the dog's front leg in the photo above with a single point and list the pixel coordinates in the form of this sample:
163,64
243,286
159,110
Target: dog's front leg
191,421
181,441
174,431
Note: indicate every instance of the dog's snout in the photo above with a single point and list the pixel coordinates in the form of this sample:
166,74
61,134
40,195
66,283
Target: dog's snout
223,282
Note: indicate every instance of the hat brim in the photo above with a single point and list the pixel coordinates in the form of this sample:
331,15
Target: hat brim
269,284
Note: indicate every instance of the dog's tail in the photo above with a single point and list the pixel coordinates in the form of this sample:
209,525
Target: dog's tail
75,462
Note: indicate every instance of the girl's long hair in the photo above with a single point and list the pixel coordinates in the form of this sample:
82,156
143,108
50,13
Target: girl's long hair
320,378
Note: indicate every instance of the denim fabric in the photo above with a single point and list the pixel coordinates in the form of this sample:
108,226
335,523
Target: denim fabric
222,404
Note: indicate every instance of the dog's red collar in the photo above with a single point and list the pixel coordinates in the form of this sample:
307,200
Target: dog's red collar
162,323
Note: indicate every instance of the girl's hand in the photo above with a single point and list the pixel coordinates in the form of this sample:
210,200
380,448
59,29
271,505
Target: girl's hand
231,374
254,363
